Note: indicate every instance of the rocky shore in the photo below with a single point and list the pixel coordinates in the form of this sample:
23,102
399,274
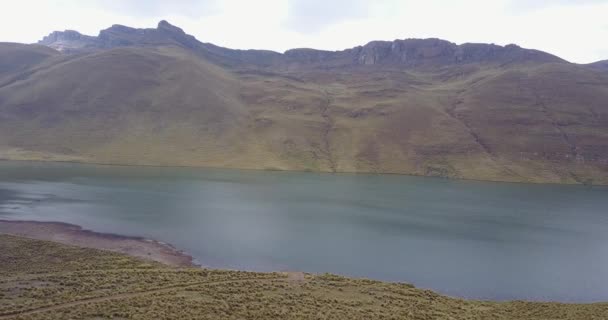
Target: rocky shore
75,235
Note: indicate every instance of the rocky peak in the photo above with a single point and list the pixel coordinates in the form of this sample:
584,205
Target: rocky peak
61,35
164,34
163,25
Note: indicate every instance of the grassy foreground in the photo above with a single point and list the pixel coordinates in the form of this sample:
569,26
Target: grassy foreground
44,280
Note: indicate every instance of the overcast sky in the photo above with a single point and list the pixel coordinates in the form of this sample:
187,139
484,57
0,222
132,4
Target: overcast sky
575,30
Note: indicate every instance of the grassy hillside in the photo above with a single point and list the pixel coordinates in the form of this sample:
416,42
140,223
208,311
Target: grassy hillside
125,105
43,280
502,113
18,59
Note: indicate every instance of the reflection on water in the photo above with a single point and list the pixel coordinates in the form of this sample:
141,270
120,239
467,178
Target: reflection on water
463,238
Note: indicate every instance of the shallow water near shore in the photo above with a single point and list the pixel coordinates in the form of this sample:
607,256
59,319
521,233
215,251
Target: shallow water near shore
468,239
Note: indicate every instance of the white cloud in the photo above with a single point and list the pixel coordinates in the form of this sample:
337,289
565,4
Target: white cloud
156,8
315,15
574,30
527,5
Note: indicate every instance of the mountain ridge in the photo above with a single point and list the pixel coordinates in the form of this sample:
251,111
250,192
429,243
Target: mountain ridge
599,65
406,52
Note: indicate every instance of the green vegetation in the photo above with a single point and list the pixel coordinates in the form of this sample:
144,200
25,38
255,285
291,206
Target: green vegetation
44,280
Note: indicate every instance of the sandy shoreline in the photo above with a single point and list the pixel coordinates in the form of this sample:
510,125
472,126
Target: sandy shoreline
77,236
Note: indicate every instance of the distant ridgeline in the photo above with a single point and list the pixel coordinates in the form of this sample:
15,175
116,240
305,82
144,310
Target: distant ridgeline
159,96
409,52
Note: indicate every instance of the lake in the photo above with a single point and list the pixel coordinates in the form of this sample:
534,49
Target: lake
462,238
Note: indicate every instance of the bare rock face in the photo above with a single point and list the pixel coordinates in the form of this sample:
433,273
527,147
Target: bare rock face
417,53
68,40
118,36
437,52
407,52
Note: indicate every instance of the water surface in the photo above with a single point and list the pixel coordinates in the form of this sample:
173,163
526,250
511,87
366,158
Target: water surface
462,238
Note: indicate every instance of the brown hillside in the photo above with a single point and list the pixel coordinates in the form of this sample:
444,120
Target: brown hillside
126,105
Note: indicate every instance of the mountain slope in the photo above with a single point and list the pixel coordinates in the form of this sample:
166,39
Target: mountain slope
18,58
125,104
416,106
600,65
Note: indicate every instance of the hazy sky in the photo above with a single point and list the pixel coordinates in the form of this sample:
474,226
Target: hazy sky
576,30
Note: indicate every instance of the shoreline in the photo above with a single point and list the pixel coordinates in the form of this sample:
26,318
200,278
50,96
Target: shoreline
74,235
94,163
46,280
156,251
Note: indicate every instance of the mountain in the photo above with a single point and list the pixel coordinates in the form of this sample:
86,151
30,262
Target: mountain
159,96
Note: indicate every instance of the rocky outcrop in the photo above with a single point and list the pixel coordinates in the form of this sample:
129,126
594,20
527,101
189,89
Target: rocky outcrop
68,40
407,52
419,52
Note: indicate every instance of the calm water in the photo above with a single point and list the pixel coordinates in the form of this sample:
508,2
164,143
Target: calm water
463,238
